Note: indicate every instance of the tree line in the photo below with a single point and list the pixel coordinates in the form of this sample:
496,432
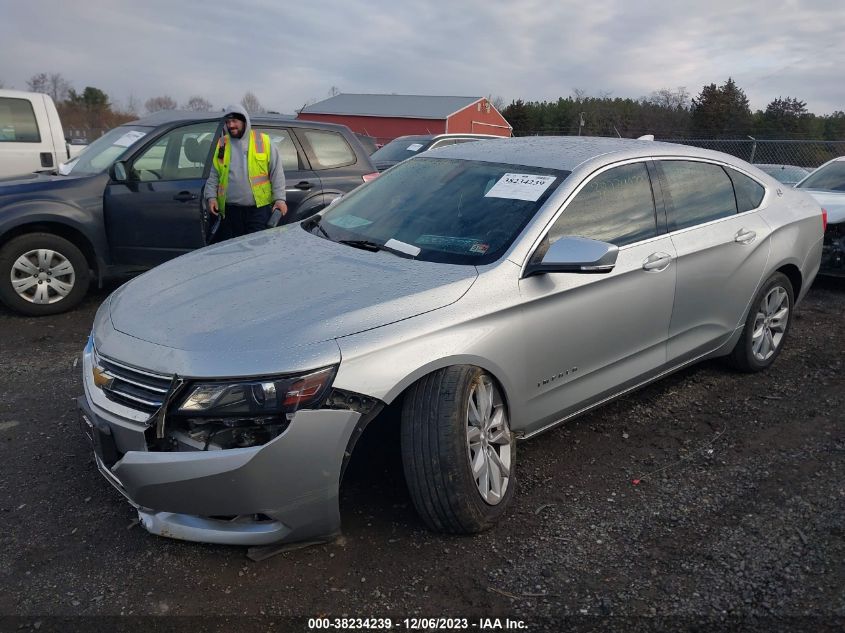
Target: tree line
91,112
717,112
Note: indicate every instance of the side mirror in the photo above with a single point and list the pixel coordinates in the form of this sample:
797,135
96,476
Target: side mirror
118,172
576,255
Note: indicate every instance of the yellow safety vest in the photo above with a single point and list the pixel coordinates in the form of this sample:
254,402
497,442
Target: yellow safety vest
258,168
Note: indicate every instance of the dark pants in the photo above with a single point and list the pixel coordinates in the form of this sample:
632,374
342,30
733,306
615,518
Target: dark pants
241,220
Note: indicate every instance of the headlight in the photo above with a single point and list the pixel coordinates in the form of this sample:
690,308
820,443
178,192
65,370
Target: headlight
259,398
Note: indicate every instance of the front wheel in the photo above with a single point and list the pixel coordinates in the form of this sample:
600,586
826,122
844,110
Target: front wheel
42,273
458,450
766,326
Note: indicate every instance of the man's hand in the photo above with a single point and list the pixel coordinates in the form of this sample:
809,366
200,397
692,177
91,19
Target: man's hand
282,206
212,206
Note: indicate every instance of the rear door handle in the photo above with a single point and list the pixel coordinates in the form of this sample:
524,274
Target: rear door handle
745,236
304,185
185,196
657,262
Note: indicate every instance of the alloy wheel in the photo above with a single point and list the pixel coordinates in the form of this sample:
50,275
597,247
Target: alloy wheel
770,323
488,441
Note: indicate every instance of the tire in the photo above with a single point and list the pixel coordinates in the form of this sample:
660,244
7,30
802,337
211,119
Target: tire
42,273
438,424
766,326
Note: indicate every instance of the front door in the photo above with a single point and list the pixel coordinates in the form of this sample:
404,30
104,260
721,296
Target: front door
589,335
157,214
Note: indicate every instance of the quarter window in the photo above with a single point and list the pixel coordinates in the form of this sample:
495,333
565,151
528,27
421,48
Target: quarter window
17,122
696,193
330,149
616,206
749,192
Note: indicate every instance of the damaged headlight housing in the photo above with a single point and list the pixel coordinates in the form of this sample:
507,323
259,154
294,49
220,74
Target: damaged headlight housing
256,398
242,413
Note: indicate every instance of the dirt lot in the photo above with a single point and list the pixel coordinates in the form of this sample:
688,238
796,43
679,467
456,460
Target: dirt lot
738,519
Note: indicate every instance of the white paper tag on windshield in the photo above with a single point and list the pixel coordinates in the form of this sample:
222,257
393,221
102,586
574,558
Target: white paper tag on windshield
403,247
413,147
127,139
520,187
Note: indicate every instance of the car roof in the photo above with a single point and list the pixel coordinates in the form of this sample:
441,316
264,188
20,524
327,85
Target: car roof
164,117
568,152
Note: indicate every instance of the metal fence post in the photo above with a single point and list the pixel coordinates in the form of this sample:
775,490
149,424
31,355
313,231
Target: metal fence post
753,149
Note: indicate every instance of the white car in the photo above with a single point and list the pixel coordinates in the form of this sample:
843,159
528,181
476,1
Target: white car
827,186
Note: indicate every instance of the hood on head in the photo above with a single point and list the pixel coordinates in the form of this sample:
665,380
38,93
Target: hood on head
239,109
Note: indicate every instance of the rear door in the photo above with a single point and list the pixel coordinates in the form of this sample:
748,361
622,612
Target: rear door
301,182
334,159
158,214
722,252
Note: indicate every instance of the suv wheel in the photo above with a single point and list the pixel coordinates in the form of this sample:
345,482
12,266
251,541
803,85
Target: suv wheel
42,273
458,450
766,326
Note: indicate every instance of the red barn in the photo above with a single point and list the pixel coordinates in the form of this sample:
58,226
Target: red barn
387,116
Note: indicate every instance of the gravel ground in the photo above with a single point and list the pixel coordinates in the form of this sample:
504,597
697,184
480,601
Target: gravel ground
708,501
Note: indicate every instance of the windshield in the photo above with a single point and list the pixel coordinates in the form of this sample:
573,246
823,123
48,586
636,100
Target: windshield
443,210
402,148
100,154
830,177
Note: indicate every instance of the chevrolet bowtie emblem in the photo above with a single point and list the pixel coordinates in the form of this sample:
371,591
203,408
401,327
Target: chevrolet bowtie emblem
102,379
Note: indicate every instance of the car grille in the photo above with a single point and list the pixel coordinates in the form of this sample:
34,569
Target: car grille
134,388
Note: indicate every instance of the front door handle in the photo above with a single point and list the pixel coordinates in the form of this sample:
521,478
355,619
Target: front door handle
744,236
657,262
185,196
303,185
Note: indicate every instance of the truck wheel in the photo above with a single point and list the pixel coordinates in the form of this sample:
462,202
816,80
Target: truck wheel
458,450
42,273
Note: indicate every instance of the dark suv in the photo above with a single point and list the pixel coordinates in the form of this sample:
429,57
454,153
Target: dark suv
404,147
133,199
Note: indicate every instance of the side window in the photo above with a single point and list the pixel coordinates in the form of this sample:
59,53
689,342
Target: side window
616,206
749,192
17,122
696,193
330,149
180,154
291,160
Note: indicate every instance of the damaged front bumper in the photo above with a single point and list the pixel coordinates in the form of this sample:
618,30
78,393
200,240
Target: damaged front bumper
283,491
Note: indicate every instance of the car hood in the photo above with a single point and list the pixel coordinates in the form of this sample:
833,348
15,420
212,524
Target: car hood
38,182
831,201
280,288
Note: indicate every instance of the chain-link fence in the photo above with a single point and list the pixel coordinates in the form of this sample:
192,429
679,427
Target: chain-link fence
808,154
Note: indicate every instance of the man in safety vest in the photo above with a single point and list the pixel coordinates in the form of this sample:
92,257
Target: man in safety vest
247,182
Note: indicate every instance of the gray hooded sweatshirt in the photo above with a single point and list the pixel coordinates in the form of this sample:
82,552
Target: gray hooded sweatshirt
240,191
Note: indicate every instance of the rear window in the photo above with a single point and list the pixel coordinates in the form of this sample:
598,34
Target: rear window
17,121
830,177
330,149
401,148
696,193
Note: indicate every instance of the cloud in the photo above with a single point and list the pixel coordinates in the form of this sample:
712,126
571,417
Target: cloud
290,53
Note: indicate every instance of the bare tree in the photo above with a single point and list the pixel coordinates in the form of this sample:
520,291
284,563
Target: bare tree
53,84
334,91
251,103
198,104
497,102
133,106
672,99
163,102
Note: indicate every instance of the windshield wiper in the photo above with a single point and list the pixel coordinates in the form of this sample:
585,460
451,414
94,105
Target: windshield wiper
365,245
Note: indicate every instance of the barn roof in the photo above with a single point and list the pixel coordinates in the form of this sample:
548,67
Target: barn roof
400,106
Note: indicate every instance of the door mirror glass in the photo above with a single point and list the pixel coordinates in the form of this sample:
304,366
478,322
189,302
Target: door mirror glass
118,171
575,255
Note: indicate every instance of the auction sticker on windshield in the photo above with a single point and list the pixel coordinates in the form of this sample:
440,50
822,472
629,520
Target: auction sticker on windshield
127,139
520,187
413,147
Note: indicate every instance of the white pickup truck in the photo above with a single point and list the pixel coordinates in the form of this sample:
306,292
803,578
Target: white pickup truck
31,135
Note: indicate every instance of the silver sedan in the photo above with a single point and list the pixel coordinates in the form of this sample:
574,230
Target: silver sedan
487,291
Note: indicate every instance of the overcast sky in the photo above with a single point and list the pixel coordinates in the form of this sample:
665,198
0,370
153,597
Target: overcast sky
289,53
